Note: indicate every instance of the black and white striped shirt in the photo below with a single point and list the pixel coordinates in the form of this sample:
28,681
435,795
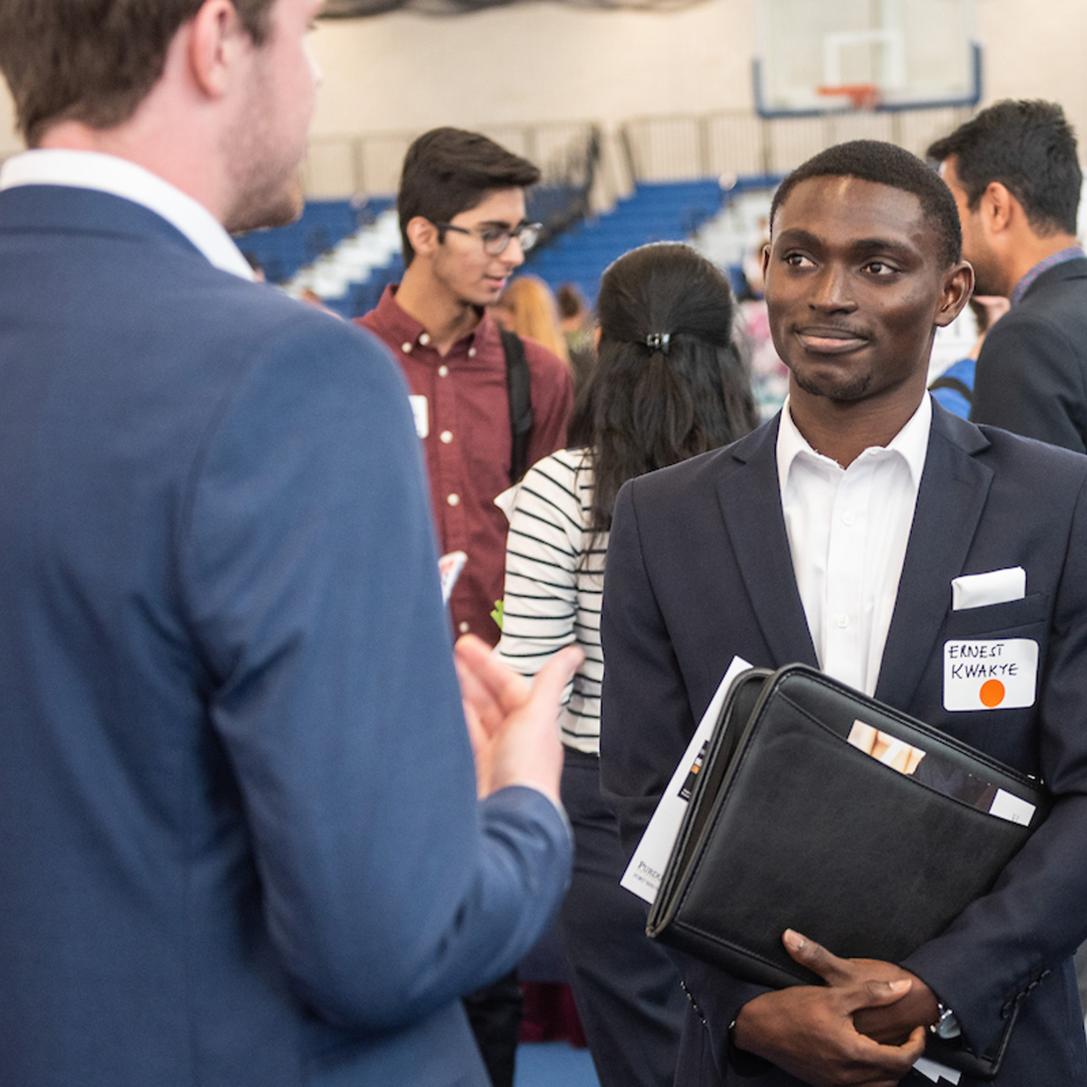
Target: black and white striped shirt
554,585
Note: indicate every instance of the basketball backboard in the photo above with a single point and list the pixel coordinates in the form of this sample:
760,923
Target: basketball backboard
828,56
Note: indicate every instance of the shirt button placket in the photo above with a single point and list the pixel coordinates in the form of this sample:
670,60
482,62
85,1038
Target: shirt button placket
843,575
451,484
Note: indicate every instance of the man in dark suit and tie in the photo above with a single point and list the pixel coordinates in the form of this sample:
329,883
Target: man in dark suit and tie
240,839
836,535
1014,172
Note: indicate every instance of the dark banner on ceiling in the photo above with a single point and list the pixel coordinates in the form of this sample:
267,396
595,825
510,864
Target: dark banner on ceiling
353,9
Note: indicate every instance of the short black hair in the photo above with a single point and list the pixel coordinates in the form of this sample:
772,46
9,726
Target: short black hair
448,170
885,164
1028,146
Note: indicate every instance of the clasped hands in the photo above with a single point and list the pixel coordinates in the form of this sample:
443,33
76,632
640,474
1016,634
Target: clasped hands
866,1026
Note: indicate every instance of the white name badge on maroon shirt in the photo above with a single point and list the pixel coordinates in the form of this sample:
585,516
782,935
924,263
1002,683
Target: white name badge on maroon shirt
421,410
995,674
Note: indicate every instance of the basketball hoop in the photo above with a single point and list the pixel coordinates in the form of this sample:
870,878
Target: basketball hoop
859,96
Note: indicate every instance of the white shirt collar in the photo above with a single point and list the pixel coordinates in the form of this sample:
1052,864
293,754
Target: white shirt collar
119,177
911,443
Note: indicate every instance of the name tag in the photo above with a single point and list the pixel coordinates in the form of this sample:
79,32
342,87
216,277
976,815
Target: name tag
421,410
1000,674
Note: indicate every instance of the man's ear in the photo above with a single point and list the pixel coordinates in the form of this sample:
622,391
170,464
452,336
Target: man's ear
765,260
423,236
998,207
958,287
217,40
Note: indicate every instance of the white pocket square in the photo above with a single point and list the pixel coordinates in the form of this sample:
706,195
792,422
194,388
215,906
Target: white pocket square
993,587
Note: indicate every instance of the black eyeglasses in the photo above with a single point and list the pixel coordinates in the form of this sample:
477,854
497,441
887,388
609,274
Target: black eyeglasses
496,239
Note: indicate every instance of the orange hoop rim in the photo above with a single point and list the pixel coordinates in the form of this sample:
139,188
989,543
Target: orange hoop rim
860,95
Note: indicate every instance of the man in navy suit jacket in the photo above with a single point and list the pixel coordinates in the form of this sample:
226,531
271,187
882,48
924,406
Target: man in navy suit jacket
240,840
834,535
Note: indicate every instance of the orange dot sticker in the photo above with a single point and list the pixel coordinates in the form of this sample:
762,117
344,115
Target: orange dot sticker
992,693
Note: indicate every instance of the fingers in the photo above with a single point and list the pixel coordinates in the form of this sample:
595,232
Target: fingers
913,1048
553,677
487,686
481,710
477,733
893,1061
806,1031
494,691
877,994
512,724
495,684
816,958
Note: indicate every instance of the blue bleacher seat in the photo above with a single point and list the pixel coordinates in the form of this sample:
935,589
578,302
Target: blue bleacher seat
283,250
576,251
655,211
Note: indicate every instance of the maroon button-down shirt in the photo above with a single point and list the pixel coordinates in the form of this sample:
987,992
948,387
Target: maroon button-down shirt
462,413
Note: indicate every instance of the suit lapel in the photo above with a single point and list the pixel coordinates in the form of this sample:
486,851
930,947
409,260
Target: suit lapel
953,491
751,506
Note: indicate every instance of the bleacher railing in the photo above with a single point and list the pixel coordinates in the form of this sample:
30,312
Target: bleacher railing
337,166
740,143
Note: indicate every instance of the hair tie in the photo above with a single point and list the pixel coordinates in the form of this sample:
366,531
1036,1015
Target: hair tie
658,341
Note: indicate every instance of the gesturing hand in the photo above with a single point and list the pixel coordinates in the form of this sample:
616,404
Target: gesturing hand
809,1031
511,722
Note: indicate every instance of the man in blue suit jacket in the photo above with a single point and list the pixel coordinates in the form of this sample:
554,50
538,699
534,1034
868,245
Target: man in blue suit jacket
835,535
240,840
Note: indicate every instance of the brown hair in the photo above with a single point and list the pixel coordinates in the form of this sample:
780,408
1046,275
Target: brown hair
448,170
571,301
533,314
94,60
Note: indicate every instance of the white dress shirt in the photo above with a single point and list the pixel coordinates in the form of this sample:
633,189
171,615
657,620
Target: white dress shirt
119,177
848,529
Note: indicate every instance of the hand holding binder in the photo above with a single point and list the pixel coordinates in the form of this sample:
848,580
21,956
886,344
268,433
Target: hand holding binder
796,816
809,1031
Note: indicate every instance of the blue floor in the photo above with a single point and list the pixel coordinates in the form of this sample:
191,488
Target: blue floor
554,1064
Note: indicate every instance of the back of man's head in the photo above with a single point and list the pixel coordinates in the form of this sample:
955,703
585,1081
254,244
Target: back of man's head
1030,148
448,170
94,61
885,164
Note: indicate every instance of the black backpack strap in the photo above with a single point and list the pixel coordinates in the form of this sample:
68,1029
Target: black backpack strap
945,382
520,397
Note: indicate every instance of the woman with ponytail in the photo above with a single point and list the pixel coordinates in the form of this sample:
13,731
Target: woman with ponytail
668,385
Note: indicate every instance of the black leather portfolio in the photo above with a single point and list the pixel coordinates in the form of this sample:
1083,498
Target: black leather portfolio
820,809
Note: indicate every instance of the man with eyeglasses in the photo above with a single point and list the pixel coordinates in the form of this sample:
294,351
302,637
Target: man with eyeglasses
461,204
462,222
